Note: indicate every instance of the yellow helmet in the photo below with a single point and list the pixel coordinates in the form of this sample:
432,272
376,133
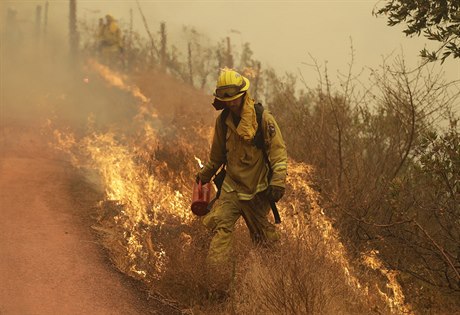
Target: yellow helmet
230,85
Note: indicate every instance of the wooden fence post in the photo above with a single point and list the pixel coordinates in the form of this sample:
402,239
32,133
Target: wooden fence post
38,21
73,32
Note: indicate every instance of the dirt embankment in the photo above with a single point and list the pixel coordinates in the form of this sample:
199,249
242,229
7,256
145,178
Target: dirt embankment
51,262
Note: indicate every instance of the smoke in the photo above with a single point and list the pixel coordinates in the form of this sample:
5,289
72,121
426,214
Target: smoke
42,80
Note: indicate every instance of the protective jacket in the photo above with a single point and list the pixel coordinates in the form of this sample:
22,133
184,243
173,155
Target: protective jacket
110,34
247,170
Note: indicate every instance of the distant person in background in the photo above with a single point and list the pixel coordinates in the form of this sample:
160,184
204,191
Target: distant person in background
110,41
248,142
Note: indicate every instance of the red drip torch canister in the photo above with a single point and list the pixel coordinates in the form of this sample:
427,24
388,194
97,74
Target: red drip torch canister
200,198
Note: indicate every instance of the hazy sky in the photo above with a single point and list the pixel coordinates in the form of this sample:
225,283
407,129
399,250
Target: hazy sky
282,34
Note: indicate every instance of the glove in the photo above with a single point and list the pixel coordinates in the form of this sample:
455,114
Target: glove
275,193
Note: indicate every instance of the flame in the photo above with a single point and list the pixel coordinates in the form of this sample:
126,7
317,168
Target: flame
146,194
298,178
143,196
249,72
115,79
130,180
396,302
129,184
199,162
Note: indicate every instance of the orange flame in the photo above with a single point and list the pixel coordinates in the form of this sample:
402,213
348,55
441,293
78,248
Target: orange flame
143,195
199,162
115,79
336,249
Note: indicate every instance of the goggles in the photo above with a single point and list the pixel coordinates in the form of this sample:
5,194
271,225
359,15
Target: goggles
229,90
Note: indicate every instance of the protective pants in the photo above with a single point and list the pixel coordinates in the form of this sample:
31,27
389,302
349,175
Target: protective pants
223,217
110,55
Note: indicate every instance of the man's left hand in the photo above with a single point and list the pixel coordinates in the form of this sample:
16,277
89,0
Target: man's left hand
275,193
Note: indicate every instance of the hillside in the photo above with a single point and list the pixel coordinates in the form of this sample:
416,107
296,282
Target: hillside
99,157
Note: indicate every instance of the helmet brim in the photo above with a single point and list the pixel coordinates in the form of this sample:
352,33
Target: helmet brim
242,91
228,99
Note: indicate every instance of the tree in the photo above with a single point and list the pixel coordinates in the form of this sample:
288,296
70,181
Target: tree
73,32
438,20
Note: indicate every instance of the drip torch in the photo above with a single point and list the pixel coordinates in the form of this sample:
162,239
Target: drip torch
201,195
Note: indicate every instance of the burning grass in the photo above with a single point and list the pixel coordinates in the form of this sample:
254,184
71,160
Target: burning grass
145,223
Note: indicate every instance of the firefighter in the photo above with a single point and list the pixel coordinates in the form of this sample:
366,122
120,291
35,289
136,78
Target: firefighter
110,40
255,178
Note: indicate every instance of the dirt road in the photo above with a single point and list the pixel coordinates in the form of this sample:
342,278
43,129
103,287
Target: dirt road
50,262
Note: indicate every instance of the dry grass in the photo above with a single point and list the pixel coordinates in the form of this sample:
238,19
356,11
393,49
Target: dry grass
151,235
297,278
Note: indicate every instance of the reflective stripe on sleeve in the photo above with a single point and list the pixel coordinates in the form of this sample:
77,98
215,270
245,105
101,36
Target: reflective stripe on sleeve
281,166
